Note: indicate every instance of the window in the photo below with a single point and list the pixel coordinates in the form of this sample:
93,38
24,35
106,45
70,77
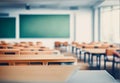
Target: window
110,24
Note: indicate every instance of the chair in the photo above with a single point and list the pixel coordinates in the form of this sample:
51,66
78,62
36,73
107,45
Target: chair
57,43
39,44
109,56
73,45
3,44
64,46
30,43
65,43
116,59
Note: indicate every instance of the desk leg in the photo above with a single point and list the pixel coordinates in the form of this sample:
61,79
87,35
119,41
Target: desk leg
85,57
45,63
99,57
80,54
72,49
97,60
113,64
105,57
76,52
91,59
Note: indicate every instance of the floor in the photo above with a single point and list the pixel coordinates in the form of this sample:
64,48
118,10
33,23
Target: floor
85,66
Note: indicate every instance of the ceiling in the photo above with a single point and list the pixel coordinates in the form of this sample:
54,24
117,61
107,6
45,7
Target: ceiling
54,4
110,3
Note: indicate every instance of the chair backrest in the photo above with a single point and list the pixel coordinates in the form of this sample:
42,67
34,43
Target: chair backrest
57,44
109,51
65,43
30,43
39,44
74,43
3,42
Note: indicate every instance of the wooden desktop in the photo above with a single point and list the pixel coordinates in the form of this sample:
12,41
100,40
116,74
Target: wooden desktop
45,59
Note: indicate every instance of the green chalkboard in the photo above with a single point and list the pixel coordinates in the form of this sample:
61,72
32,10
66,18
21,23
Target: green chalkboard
44,26
7,27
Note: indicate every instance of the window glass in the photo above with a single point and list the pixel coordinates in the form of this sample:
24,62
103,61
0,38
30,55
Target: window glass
110,24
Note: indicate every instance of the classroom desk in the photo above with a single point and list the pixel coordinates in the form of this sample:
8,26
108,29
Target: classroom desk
35,74
40,52
95,52
27,50
52,74
35,49
9,51
45,59
73,48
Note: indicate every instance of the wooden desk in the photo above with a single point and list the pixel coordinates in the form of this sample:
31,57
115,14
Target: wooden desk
52,74
45,59
27,51
10,51
35,49
56,52
95,52
36,74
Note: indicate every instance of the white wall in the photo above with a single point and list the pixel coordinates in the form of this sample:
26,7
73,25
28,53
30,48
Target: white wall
96,25
80,24
84,25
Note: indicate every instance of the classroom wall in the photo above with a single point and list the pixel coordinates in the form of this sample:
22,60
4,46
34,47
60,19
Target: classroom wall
84,25
80,24
96,26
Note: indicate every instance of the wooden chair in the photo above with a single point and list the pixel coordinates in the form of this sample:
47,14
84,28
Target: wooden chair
65,43
64,46
3,46
116,59
30,43
109,55
39,44
3,42
57,43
